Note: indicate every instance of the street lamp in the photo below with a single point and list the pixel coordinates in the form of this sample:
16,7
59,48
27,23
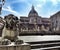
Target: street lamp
1,5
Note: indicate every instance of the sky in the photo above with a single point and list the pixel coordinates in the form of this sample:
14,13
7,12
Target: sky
45,8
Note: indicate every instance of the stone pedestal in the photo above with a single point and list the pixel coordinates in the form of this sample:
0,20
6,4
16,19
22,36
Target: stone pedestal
15,47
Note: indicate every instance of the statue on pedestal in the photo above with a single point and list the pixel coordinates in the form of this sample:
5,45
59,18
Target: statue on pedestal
10,28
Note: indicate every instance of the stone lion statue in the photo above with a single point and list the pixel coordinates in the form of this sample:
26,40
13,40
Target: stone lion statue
5,42
10,28
19,41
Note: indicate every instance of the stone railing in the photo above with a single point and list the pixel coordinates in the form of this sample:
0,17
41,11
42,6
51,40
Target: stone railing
15,47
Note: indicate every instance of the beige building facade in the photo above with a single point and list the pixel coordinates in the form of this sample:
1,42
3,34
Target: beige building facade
34,22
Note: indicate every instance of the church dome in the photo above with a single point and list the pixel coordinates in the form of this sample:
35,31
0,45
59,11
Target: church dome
33,12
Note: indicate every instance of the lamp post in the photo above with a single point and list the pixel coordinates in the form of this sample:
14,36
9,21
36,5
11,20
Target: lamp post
2,2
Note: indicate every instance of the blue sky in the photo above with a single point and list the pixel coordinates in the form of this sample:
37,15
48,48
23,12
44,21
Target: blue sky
45,8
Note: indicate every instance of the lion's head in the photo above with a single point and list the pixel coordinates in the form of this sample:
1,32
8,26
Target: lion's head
11,21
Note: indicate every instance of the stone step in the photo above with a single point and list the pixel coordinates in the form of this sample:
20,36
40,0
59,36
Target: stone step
44,44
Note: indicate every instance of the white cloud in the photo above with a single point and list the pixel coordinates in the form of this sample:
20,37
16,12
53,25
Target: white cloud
15,1
39,6
37,3
55,2
9,9
41,1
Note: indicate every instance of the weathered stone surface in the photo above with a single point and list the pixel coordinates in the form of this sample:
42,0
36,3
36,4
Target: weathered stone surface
16,47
